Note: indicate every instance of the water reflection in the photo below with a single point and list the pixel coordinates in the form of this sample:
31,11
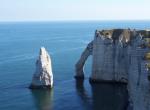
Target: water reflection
104,96
82,93
43,99
109,97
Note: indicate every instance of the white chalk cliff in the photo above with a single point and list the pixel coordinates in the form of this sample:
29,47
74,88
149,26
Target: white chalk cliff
43,76
122,56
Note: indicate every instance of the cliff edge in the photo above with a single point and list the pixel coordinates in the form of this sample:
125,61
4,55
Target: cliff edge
121,56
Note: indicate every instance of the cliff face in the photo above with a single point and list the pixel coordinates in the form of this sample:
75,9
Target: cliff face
110,54
138,84
43,77
122,55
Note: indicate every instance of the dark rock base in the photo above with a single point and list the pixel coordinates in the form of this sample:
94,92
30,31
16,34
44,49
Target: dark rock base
79,77
95,81
40,87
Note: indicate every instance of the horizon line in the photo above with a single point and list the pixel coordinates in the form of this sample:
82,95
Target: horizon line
74,20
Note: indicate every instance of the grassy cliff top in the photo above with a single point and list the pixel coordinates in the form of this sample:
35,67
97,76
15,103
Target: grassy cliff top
127,34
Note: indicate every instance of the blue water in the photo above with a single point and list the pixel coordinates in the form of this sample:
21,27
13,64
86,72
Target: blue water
19,47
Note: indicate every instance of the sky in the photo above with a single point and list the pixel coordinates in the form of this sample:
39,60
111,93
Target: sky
55,10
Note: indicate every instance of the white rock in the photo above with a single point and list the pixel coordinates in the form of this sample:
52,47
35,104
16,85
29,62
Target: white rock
43,76
138,84
81,62
118,56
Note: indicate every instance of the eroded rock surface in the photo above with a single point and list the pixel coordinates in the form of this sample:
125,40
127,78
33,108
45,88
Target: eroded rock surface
80,64
43,76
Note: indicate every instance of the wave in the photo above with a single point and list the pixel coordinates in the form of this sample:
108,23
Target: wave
17,58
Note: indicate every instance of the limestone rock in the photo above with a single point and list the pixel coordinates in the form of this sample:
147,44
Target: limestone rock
43,76
111,54
81,62
122,56
139,84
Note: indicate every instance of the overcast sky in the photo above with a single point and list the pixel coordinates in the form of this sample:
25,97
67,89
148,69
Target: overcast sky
47,10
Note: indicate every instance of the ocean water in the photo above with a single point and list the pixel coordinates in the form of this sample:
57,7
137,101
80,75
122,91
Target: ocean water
19,48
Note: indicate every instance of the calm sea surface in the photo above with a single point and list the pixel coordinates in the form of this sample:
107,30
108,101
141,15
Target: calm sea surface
19,48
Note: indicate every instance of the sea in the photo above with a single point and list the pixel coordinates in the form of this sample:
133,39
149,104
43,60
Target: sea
20,43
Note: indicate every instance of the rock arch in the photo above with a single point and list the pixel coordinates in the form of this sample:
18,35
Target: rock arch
80,64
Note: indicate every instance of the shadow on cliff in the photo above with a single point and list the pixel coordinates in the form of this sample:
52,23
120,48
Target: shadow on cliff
104,96
43,99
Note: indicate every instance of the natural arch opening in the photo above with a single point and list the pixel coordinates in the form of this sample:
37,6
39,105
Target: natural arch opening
81,63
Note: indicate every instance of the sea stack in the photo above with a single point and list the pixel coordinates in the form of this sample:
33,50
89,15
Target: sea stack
43,76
